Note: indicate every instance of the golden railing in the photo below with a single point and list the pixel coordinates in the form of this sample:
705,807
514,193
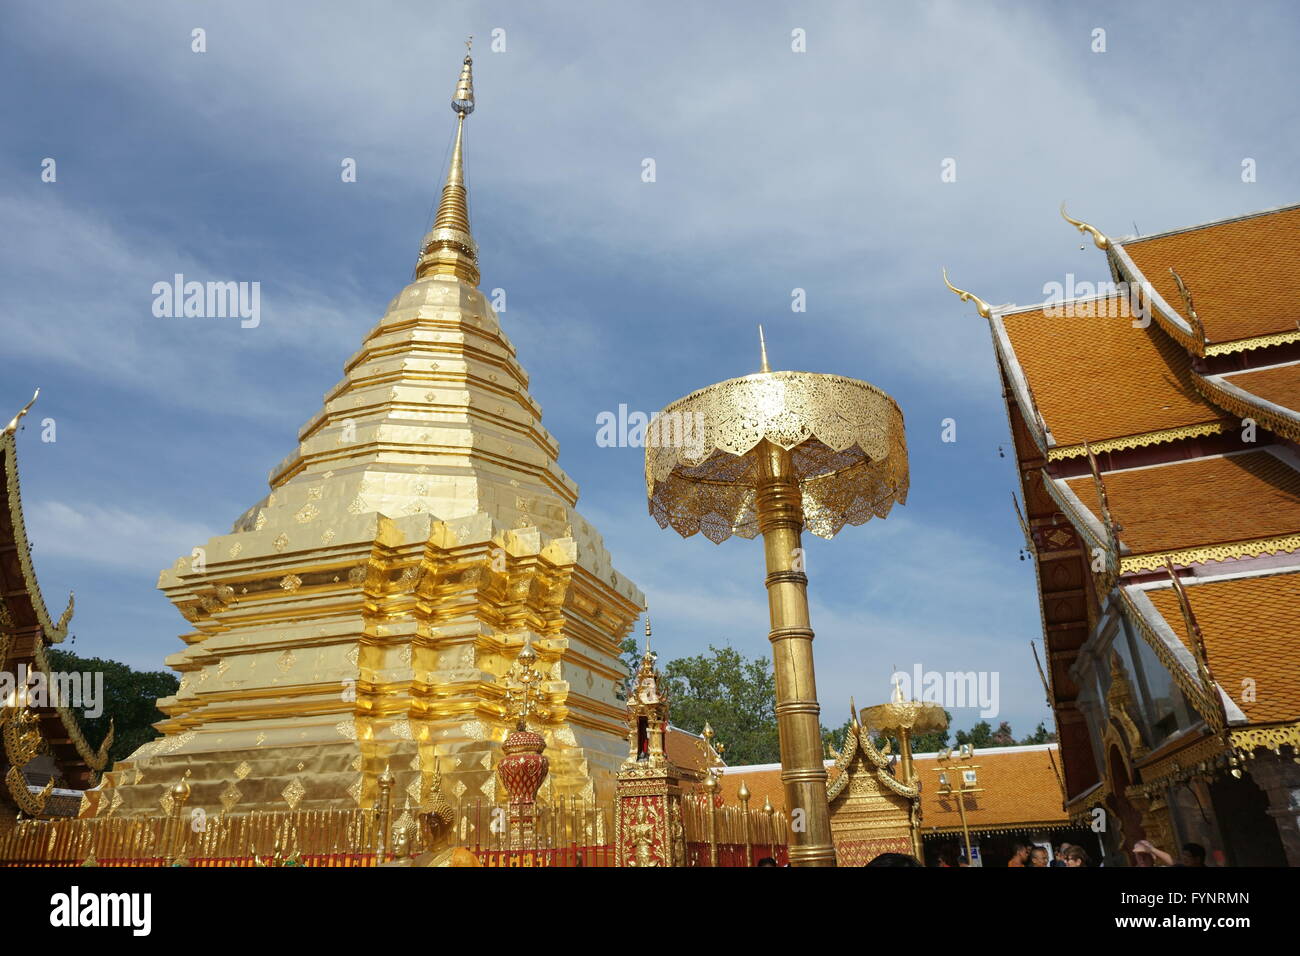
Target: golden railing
570,832
566,832
720,835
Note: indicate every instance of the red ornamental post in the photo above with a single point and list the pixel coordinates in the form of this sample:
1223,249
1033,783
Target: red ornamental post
521,771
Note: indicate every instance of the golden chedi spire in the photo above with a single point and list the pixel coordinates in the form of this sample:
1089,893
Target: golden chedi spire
449,248
422,517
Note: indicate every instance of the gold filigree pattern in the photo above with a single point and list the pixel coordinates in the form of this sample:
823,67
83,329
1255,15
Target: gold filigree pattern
1218,552
1162,436
846,438
1243,408
293,793
1257,342
230,796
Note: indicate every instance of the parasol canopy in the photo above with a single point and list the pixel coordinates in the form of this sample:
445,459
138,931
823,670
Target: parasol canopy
845,437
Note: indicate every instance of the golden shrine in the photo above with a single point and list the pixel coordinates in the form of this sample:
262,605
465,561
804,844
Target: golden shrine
420,535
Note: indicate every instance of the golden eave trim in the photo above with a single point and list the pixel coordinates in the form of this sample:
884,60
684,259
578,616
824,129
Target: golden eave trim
1238,401
1140,440
1216,552
1255,342
1244,740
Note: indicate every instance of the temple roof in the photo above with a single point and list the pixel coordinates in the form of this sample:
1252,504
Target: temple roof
1248,624
26,631
1020,791
1243,273
1137,380
1198,503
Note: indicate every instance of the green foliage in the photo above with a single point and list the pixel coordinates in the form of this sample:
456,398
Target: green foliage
129,697
631,657
1041,735
733,694
835,738
982,735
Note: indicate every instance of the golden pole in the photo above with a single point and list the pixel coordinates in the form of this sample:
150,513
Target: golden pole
965,830
386,781
744,823
180,795
710,791
780,519
909,775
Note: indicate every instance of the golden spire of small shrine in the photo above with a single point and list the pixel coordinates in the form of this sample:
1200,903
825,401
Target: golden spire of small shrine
449,248
762,351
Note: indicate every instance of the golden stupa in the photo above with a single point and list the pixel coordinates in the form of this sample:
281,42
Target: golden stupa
361,614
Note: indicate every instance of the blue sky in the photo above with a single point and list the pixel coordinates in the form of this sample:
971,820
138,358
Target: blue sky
775,170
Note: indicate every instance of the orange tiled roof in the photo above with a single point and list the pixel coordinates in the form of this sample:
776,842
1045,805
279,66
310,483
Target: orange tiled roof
1200,502
761,783
1136,380
1249,627
1020,788
1279,385
1244,275
683,749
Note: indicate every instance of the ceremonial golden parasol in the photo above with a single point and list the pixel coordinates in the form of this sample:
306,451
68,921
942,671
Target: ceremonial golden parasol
771,454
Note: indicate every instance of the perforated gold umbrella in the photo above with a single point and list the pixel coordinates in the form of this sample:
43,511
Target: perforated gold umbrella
771,454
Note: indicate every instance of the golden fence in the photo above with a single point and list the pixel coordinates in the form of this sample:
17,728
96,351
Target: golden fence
566,832
570,832
720,835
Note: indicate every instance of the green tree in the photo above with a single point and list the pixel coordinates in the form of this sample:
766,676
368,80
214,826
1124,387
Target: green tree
981,735
129,701
934,741
1041,735
734,694
835,738
631,657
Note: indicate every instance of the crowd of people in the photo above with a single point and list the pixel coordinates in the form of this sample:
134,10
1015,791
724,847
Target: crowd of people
1066,854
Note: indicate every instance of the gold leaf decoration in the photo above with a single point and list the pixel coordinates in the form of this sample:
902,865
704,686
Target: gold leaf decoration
293,793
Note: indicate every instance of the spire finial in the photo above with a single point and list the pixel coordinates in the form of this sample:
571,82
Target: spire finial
762,350
449,248
1100,240
647,635
984,309
12,427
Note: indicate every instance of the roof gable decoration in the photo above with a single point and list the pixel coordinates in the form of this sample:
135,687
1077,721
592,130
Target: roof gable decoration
859,755
51,631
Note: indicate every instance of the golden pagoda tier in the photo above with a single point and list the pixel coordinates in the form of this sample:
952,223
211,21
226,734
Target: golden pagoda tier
360,616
